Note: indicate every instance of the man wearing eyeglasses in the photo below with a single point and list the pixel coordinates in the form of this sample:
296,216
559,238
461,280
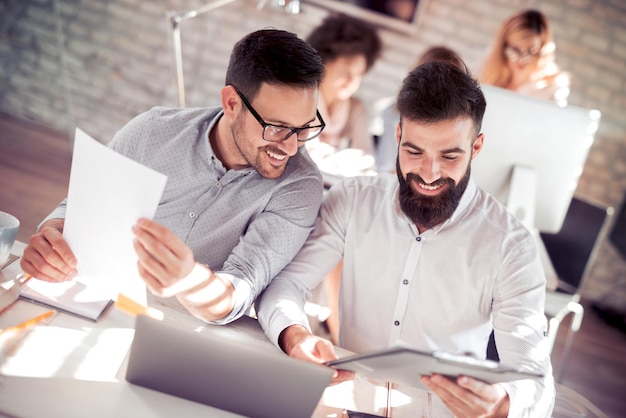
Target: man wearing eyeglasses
242,194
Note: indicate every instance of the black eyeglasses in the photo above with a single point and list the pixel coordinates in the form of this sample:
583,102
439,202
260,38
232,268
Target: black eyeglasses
277,133
516,55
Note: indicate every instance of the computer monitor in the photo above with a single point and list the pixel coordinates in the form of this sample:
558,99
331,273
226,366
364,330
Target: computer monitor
402,17
541,138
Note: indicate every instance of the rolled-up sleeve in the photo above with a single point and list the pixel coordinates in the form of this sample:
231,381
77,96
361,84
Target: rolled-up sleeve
282,303
271,241
520,331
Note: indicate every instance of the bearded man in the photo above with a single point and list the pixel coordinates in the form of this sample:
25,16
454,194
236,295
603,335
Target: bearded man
429,259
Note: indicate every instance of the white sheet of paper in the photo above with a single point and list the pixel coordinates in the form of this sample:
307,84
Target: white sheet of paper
108,192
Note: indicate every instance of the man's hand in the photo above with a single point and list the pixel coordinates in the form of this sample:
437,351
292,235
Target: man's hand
167,266
47,256
469,398
163,258
299,343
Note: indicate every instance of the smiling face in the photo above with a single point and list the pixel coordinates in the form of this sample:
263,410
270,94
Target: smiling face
433,167
243,144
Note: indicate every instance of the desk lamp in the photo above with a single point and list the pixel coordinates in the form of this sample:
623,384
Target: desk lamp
176,18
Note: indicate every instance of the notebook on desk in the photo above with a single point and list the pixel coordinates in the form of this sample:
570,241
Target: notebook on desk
72,297
223,371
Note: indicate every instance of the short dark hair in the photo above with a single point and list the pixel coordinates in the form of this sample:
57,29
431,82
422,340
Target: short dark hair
340,35
438,91
275,57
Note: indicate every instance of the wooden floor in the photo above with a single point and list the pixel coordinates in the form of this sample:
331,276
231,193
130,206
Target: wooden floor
34,174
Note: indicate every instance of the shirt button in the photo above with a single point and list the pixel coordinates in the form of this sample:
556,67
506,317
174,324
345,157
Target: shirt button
418,239
405,281
192,214
396,323
218,184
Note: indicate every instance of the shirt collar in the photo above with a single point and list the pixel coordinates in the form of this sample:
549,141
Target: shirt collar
212,123
211,153
464,203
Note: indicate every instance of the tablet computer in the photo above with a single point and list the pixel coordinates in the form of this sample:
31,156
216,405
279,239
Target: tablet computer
405,365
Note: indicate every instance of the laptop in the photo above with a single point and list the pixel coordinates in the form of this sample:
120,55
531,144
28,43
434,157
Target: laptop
224,370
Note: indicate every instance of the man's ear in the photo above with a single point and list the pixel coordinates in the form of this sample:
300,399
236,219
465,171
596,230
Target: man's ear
478,145
398,133
231,102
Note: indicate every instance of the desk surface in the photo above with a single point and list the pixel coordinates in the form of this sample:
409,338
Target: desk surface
71,366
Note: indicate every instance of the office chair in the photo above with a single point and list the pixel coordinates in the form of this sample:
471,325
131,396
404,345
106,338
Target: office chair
572,251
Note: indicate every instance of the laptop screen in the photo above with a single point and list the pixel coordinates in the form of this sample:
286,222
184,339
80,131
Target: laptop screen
224,370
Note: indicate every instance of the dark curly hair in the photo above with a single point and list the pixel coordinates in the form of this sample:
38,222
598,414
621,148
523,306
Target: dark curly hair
340,35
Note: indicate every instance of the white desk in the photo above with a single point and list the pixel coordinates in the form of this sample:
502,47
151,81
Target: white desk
76,368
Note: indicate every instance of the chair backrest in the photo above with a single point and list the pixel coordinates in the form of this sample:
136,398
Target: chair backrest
618,233
573,249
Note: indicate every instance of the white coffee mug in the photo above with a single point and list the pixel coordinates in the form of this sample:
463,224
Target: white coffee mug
9,226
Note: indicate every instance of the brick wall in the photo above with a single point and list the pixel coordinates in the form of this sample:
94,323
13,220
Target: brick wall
95,64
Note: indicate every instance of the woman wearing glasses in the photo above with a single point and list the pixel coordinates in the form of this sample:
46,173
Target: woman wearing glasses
522,59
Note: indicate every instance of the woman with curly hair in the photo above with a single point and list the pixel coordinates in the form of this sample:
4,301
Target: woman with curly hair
349,48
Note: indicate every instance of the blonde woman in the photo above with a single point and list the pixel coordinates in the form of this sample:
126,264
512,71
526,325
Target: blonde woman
522,59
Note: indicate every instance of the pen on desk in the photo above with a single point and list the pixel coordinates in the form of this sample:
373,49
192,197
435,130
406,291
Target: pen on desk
27,324
129,306
10,295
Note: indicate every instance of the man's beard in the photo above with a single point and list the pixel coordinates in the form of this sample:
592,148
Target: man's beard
252,155
428,211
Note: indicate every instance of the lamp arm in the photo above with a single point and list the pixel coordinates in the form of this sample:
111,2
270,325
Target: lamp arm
182,16
175,19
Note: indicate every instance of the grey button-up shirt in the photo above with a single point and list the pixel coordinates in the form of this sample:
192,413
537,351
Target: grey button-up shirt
243,226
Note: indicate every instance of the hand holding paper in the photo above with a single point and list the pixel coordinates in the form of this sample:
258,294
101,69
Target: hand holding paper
108,193
164,259
47,256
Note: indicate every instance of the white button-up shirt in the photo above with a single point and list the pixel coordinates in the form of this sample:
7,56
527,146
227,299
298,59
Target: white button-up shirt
442,290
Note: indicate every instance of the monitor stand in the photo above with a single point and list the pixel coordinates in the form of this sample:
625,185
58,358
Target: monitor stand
522,195
521,202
